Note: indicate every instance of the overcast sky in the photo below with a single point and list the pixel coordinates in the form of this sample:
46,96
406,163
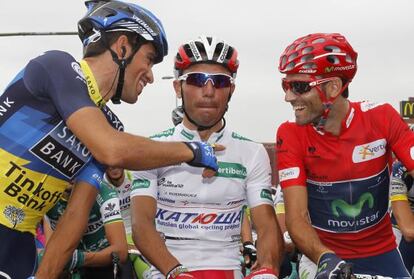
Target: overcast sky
382,32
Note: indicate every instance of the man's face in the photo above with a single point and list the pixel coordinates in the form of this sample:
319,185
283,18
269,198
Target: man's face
308,107
138,73
114,173
207,104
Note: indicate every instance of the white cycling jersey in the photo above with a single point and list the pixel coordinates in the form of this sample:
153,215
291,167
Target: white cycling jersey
124,191
200,217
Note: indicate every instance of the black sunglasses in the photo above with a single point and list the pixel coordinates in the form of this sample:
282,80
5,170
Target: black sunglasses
219,80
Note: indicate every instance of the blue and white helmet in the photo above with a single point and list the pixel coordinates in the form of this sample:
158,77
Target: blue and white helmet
112,16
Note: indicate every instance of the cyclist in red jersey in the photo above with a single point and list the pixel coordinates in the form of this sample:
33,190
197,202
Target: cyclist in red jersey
334,161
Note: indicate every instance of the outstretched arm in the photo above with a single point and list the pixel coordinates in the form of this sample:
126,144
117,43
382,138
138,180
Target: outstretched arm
68,232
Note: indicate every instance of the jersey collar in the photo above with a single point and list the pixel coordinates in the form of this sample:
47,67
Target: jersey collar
345,123
192,135
92,85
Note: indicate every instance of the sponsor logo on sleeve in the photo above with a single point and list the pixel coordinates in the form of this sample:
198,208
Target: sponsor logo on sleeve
369,151
412,152
140,184
289,173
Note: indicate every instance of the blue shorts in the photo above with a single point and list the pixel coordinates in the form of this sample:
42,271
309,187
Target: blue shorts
407,253
17,254
388,264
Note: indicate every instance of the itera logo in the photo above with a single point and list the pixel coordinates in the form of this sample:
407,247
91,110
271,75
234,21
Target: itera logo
369,151
231,170
352,210
289,173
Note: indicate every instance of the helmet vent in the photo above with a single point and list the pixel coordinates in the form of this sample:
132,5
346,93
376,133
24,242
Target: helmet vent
306,58
332,49
309,66
301,45
332,59
292,56
290,66
318,41
307,50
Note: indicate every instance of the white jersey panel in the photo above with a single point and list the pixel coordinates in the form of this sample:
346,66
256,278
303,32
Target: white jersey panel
124,192
200,217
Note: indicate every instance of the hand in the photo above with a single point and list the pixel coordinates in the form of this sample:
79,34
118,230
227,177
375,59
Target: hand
249,254
204,156
179,272
262,273
329,266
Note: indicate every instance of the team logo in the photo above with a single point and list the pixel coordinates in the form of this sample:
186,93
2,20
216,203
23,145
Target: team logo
352,210
369,151
289,173
14,214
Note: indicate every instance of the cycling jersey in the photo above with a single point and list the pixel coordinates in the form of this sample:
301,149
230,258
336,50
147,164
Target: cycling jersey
401,175
347,176
124,191
38,153
104,211
199,217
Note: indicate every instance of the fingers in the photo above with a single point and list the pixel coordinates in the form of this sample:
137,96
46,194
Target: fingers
218,147
208,173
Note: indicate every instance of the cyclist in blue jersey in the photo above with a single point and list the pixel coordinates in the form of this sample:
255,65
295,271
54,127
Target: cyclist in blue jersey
56,127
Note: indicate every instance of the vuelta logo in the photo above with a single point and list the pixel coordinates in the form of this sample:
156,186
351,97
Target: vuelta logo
369,151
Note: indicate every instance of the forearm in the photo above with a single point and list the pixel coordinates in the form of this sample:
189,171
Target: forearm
61,245
153,248
405,218
104,257
270,246
140,153
305,238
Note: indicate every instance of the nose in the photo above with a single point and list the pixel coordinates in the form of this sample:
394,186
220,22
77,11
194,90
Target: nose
150,76
290,96
208,88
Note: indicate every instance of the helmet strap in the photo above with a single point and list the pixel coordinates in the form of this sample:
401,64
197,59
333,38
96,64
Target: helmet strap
327,105
122,64
199,126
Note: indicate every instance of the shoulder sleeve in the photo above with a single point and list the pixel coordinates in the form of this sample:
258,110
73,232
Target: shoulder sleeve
92,173
57,77
259,179
144,183
108,202
289,156
399,136
279,201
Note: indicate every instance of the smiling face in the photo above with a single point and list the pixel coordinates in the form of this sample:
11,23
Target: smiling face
308,106
138,73
205,105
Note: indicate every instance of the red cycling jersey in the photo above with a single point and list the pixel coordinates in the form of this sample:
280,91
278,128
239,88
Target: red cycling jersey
347,176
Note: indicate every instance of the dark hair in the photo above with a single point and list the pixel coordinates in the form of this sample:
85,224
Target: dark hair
99,47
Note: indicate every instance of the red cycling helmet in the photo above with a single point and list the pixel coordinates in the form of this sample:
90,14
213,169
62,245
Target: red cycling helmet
206,50
320,54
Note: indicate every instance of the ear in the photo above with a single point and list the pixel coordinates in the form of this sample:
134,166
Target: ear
121,47
177,88
232,88
333,87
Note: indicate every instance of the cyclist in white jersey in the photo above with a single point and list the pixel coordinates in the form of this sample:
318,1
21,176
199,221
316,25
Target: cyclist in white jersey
198,220
121,181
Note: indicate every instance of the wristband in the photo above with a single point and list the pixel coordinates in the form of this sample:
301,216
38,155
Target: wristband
287,238
175,271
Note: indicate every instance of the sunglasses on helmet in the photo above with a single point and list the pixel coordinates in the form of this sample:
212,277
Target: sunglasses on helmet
218,80
302,86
